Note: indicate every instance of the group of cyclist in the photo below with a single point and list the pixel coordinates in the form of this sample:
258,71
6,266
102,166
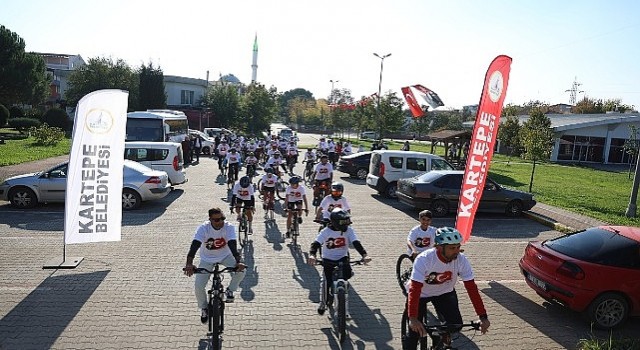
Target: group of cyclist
437,256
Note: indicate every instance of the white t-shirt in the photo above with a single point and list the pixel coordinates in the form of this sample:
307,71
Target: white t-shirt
335,244
269,181
273,162
214,247
233,158
421,239
328,204
222,149
242,193
310,156
295,194
323,171
437,277
322,145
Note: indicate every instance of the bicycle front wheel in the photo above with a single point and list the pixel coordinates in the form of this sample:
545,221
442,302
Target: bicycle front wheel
342,315
281,189
242,232
295,232
215,324
404,267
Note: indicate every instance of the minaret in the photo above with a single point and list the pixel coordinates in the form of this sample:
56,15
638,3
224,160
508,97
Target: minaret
254,65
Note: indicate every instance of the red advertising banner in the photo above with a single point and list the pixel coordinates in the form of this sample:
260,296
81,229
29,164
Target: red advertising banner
411,100
482,143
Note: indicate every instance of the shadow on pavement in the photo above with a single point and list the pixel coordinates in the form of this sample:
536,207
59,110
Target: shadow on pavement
307,276
251,276
39,319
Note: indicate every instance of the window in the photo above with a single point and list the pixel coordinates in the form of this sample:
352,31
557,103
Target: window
440,164
419,164
186,97
395,162
450,181
145,154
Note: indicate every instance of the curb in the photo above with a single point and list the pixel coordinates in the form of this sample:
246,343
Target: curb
548,222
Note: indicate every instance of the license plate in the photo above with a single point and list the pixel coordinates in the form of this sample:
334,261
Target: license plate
537,282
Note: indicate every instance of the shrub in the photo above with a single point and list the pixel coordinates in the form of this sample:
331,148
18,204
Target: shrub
22,124
33,113
47,135
57,117
16,112
4,115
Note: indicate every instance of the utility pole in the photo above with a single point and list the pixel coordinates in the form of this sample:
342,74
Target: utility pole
573,92
380,124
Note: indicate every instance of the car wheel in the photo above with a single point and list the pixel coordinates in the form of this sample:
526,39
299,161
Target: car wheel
440,208
390,191
206,151
607,311
130,199
514,208
362,173
23,198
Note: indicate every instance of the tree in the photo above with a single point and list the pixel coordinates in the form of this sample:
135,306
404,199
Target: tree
152,95
257,109
537,139
391,117
508,135
223,102
283,102
420,126
588,106
4,115
103,73
23,76
56,117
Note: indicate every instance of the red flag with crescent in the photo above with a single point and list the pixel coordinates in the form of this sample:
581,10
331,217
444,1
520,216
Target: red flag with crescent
483,141
411,101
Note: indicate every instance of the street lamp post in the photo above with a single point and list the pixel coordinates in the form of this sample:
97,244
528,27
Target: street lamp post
380,89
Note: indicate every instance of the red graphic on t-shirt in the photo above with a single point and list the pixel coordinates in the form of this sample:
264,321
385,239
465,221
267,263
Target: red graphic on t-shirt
333,243
422,242
438,278
215,243
323,170
243,192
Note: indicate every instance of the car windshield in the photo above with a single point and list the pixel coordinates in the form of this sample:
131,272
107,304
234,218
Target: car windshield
599,246
429,176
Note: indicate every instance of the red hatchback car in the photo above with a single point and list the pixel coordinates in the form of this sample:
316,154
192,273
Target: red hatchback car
595,271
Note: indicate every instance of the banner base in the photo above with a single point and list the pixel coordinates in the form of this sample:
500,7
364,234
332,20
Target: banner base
58,263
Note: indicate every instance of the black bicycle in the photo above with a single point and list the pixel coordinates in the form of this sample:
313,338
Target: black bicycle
296,220
338,295
441,335
216,305
243,228
404,267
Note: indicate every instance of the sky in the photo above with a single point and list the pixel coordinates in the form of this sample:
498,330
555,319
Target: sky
444,45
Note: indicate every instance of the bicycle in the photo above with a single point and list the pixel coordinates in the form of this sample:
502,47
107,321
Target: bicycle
322,192
281,188
291,163
295,226
216,305
439,334
251,170
308,172
404,267
243,227
338,295
268,203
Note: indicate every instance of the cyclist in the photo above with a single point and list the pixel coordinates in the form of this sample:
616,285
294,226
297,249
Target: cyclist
294,196
347,150
434,276
223,148
275,162
220,246
233,161
322,173
292,154
335,240
322,146
268,189
332,201
252,164
331,149
421,237
243,195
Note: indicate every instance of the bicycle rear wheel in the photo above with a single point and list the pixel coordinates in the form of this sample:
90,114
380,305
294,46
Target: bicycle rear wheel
295,232
342,315
281,189
215,324
404,267
242,231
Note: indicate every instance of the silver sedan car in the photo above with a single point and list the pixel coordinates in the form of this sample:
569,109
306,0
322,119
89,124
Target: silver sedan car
140,184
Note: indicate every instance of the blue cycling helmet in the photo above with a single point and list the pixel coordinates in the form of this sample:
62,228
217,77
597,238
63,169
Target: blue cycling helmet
448,235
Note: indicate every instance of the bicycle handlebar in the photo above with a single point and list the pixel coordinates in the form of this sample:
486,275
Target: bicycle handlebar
352,262
204,270
442,328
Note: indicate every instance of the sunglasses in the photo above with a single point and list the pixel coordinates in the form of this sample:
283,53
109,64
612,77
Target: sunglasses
217,219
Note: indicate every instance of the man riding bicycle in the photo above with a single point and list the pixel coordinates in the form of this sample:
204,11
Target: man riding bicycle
233,161
220,246
268,189
295,195
332,201
422,236
276,162
223,149
323,173
243,196
335,240
433,279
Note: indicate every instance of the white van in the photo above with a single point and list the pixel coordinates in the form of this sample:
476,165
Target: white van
213,132
285,133
387,167
165,156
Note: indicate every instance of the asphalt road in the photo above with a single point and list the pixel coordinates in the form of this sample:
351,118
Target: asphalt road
132,293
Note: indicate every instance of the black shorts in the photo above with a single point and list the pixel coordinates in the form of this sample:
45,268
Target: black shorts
294,205
269,189
248,204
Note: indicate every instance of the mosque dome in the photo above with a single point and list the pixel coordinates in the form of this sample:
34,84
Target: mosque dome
230,78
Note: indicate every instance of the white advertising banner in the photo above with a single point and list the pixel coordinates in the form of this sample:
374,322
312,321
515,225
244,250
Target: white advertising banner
93,202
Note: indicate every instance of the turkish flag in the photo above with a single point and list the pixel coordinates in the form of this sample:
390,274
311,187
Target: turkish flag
413,104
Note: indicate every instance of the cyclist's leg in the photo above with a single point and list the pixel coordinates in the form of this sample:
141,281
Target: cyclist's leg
412,338
238,208
236,277
446,306
201,285
299,210
290,206
328,267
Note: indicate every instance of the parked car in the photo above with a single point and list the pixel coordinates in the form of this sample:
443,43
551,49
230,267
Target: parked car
439,191
369,135
213,132
208,143
595,271
164,156
387,167
356,165
140,184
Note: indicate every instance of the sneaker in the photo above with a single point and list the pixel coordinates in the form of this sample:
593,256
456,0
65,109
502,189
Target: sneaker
230,297
288,234
299,220
321,308
250,231
204,316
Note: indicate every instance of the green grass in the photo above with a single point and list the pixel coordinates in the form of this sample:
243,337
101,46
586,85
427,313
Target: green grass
609,344
26,150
